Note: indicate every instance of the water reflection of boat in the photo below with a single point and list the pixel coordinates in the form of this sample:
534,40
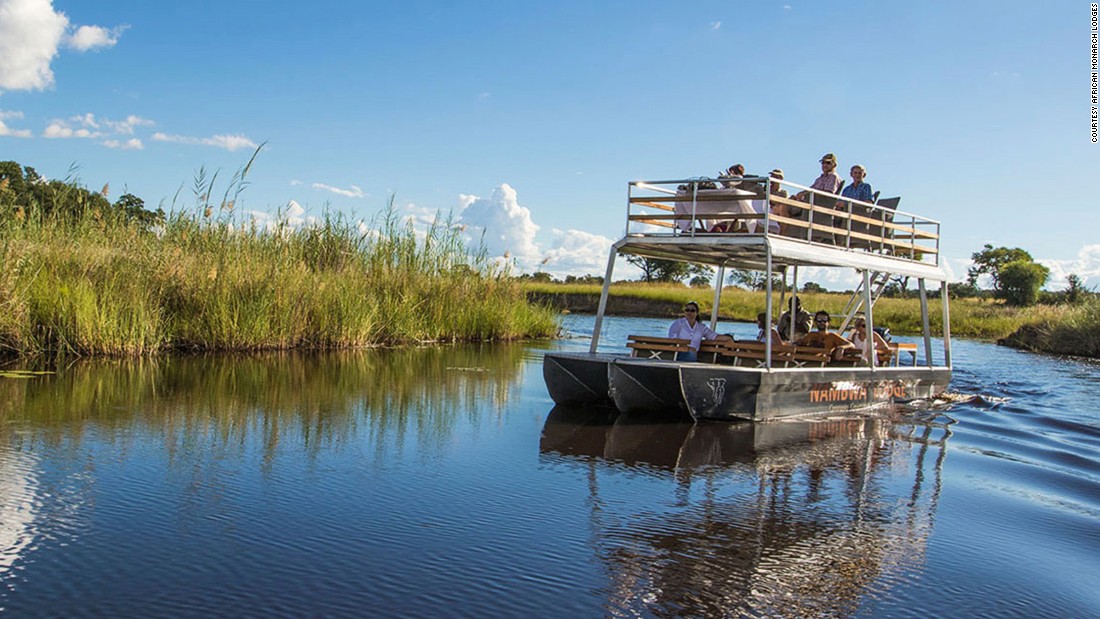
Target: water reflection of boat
806,518
749,380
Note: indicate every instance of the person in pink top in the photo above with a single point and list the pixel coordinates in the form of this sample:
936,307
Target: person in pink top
829,181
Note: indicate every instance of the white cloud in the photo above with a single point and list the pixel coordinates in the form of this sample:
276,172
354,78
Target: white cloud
575,252
354,192
31,32
505,227
6,131
60,129
228,142
126,127
483,96
295,182
88,126
715,25
1086,266
131,144
87,38
290,218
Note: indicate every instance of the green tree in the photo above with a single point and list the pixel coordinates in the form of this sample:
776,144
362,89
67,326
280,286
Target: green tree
657,270
813,287
990,260
1076,291
1021,280
752,280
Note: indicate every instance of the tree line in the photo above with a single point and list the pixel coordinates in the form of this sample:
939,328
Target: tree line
25,193
1012,273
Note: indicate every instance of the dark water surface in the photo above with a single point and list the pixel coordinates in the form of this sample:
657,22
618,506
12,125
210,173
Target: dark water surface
444,482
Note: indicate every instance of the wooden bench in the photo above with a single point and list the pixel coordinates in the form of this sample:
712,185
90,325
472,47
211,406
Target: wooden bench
656,347
896,348
712,351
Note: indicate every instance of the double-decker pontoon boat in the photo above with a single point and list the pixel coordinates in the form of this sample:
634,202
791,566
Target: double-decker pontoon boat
739,226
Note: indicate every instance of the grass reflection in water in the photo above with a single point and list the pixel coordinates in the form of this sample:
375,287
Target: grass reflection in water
312,400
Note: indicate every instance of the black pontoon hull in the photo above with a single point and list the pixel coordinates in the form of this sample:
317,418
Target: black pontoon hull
723,392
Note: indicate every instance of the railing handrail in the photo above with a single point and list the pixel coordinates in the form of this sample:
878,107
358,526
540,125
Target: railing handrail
916,234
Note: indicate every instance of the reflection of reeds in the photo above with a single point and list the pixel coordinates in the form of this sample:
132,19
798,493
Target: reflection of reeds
310,400
101,285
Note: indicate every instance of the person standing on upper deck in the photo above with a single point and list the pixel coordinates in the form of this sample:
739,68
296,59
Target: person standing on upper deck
858,190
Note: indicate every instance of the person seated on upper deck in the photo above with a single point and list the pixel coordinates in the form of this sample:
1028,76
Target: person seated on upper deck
728,176
801,321
688,327
776,209
859,340
829,181
765,326
858,190
833,343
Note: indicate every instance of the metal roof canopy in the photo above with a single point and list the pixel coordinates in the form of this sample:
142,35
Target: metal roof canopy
751,251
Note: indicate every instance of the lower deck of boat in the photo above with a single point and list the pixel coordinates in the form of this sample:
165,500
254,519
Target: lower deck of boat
719,391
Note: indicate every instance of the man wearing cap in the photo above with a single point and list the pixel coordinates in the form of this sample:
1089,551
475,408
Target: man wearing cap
829,180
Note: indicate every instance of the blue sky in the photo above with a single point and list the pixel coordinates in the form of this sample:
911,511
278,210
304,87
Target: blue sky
528,119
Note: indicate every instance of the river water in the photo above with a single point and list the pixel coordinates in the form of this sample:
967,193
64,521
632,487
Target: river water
444,482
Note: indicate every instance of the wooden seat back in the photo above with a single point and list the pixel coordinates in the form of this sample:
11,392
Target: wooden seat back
651,347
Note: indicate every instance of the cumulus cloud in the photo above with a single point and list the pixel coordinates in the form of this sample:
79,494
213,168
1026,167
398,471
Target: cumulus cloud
575,252
502,224
1086,266
88,126
228,142
289,218
60,129
87,38
31,32
354,192
131,144
6,131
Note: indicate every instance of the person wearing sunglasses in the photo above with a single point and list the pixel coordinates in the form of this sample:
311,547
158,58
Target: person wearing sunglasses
688,327
835,344
859,340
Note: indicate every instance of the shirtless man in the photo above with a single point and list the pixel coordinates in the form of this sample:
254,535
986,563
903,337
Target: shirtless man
823,338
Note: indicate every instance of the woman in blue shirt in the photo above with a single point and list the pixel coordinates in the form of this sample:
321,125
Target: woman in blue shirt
858,190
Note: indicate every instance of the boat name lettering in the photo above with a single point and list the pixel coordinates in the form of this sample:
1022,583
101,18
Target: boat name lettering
848,392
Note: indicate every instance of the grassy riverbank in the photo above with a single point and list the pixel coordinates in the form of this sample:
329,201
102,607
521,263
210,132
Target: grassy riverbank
1062,329
100,285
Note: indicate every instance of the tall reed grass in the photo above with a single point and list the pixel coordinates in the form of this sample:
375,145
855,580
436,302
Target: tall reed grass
95,284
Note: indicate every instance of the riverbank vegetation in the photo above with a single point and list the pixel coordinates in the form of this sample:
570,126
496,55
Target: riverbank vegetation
82,276
970,317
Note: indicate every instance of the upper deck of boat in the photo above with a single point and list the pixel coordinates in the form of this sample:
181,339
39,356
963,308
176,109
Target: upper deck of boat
702,221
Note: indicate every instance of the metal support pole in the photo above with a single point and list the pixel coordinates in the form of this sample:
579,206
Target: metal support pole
768,307
946,325
603,300
868,312
793,305
717,297
927,329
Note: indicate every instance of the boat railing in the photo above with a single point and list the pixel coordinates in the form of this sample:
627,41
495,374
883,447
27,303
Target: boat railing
705,208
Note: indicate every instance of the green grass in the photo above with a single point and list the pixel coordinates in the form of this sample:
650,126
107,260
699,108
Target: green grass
93,285
970,318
